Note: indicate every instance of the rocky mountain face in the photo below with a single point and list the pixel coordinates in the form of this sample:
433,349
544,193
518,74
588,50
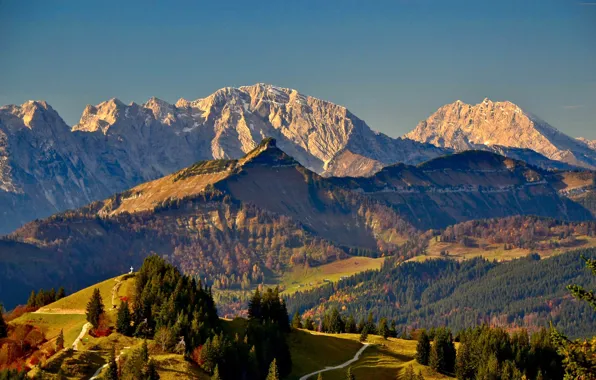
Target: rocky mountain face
47,167
243,221
461,126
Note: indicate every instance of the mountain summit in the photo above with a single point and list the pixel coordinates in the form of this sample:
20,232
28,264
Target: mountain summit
47,167
462,126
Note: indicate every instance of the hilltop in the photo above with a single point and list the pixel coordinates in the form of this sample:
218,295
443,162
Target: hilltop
501,125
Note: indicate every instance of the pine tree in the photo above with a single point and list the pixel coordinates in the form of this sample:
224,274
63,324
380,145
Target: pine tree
31,300
3,326
151,373
364,334
123,323
423,348
254,306
273,371
61,293
144,352
579,356
410,374
95,308
350,375
296,322
215,375
442,353
464,367
309,324
112,373
60,341
350,326
383,328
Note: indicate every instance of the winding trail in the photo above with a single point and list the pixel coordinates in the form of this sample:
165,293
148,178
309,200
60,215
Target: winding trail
343,365
75,344
96,374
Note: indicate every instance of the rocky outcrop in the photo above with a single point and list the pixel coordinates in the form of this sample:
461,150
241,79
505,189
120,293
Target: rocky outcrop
46,167
461,126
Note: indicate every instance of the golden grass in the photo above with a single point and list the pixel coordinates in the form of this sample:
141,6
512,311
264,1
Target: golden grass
305,278
495,251
51,324
312,351
77,302
150,194
385,359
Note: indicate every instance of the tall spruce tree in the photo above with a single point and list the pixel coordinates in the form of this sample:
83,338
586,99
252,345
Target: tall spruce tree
383,328
3,326
579,356
112,373
423,348
296,321
60,341
123,323
273,371
254,306
350,374
95,308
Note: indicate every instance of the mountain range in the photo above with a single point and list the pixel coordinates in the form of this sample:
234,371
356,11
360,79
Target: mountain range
246,221
47,166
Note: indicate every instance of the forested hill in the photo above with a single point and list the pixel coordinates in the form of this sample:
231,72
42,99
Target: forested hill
237,223
528,292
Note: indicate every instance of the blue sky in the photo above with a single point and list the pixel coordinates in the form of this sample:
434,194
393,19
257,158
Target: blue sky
392,63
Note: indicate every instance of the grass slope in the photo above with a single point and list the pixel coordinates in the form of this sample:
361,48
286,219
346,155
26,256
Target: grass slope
385,359
306,278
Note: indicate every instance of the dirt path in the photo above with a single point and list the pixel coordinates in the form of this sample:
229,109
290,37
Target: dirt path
115,290
75,344
344,365
96,374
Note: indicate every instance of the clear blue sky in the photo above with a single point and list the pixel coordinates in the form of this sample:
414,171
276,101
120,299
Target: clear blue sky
392,63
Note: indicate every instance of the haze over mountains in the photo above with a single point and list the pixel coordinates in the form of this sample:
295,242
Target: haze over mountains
47,166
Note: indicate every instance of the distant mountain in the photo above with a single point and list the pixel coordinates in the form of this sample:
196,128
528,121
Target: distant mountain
244,221
47,167
461,126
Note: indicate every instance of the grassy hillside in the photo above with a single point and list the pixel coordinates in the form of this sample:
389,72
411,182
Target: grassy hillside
304,278
384,359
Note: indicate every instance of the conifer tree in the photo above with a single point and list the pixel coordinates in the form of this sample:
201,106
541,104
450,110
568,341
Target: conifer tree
151,372
123,323
31,300
350,326
296,322
3,326
364,334
423,348
309,324
579,356
112,373
383,328
95,308
61,293
273,371
350,375
409,374
60,341
215,375
254,306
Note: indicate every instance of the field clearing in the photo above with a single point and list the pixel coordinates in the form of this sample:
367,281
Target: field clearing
306,278
495,251
385,359
312,351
